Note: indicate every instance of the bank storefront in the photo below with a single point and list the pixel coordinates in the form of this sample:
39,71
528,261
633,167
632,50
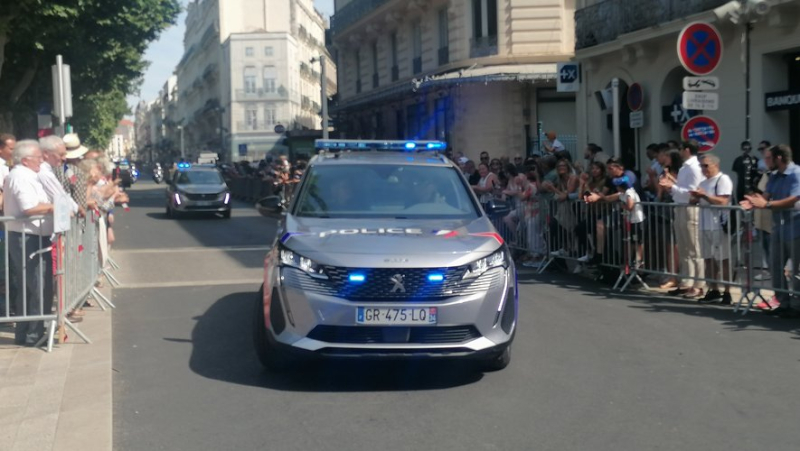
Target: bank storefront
649,57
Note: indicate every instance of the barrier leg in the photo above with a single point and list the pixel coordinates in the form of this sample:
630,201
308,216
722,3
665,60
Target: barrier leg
112,263
78,331
98,296
51,331
113,280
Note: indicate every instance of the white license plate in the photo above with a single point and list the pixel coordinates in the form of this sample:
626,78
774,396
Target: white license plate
204,203
399,316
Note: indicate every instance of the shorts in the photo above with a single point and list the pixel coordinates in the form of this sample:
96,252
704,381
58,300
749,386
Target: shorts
714,244
637,233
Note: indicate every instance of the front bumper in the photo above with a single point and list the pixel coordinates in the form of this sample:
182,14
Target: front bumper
201,206
476,325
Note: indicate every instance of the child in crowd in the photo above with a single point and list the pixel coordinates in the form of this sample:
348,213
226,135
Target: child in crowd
634,214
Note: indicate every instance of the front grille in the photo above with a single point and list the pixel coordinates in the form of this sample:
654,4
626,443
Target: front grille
383,335
378,285
202,196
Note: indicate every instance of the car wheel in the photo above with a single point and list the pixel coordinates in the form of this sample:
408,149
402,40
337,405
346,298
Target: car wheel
270,357
498,362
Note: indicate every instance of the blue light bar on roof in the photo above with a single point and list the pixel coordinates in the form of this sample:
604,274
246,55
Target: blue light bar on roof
400,146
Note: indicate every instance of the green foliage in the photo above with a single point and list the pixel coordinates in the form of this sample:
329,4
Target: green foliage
103,41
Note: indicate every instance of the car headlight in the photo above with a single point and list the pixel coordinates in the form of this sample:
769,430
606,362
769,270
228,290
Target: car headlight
478,267
295,260
225,197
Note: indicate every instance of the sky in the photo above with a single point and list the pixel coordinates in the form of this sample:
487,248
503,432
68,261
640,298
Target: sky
165,53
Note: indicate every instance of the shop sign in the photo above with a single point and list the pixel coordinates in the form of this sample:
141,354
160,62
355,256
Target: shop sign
784,100
569,75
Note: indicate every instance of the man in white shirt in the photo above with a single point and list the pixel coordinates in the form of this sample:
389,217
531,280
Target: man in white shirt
716,189
25,197
54,152
687,222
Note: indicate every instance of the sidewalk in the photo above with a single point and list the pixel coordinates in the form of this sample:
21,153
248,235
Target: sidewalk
62,400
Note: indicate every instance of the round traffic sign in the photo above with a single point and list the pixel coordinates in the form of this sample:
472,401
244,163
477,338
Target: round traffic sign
700,48
702,129
280,128
635,97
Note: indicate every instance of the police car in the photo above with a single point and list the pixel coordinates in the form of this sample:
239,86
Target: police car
197,189
384,253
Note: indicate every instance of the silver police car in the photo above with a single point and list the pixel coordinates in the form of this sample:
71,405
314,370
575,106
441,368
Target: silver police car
384,252
196,189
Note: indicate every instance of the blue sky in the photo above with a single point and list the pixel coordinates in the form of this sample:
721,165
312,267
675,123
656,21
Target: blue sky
165,53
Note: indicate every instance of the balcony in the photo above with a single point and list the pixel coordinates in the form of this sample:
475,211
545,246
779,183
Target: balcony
606,20
261,94
483,46
353,12
417,62
395,73
375,81
444,55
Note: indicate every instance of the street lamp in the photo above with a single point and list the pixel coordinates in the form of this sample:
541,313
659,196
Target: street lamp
324,83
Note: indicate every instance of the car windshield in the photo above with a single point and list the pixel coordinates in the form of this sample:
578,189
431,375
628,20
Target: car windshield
199,178
381,191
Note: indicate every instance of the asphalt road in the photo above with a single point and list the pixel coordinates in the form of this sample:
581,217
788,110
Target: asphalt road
590,370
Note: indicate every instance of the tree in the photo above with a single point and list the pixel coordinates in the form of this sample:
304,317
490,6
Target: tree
103,41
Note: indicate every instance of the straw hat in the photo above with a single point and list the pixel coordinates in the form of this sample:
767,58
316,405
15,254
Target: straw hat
74,147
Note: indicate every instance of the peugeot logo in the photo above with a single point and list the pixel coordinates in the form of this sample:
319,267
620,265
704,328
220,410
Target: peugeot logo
399,282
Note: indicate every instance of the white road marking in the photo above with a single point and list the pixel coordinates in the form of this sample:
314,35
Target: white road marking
193,249
197,283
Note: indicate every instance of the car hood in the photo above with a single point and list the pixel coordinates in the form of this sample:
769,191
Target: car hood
390,243
201,189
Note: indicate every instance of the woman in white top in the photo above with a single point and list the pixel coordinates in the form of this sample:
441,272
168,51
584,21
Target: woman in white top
486,185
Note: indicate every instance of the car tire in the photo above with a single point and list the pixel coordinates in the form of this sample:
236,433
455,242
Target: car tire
498,362
272,358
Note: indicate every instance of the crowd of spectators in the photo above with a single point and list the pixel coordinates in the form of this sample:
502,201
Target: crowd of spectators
34,175
560,208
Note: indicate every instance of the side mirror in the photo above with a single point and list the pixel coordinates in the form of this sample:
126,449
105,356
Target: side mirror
497,207
271,207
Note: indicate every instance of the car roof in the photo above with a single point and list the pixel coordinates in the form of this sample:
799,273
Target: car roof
199,167
381,157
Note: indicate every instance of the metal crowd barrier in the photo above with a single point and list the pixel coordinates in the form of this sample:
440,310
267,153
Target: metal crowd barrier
77,262
687,243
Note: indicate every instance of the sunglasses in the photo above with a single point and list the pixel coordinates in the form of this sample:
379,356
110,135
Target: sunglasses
705,166
747,148
484,158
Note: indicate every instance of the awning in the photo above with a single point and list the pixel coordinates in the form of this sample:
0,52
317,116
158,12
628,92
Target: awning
474,74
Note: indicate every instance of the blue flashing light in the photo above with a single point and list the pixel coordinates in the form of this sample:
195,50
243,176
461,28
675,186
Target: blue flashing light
184,165
357,278
379,145
436,145
411,146
435,277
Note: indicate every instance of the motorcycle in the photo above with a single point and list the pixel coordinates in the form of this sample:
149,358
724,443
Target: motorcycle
158,175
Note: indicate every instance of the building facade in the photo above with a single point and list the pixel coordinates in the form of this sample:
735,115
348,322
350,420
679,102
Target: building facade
480,74
635,41
247,68
123,143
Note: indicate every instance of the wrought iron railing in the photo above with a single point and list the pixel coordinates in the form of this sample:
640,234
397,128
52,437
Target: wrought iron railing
605,20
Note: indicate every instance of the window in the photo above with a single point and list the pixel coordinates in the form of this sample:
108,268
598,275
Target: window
251,118
270,74
385,191
484,18
358,71
444,32
375,77
416,36
248,51
249,80
269,116
393,43
268,51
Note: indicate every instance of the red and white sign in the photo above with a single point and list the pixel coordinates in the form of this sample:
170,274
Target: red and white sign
700,48
702,129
